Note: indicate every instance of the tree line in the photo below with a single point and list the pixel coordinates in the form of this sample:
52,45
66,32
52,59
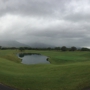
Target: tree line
63,48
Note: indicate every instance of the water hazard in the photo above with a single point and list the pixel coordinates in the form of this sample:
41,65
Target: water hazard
34,59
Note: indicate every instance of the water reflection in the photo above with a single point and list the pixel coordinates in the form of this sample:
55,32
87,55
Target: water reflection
34,59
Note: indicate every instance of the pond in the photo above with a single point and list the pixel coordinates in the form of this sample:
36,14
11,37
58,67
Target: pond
34,59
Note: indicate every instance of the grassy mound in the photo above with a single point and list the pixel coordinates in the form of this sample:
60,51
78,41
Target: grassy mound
67,71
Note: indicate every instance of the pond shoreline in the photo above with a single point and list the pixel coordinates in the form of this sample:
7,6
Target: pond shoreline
33,58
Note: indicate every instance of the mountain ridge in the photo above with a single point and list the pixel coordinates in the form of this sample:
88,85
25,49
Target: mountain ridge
11,43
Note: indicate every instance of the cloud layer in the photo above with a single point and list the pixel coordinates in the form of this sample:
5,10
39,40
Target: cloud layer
56,22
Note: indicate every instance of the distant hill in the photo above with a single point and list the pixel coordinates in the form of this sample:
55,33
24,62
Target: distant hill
12,44
40,45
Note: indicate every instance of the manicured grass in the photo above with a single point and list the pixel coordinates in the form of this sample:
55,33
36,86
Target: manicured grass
67,71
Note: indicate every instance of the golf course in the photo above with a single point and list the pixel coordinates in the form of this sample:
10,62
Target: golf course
69,70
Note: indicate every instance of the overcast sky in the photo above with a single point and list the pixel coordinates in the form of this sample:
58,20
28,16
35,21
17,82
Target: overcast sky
56,22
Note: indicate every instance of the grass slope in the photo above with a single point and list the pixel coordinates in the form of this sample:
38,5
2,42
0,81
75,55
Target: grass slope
67,71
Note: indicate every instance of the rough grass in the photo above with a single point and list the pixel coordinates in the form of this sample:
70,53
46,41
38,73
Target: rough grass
67,71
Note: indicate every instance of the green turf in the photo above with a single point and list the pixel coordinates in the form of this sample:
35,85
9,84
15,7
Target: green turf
67,71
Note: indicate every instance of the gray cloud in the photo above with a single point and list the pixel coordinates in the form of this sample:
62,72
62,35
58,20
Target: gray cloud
26,7
57,22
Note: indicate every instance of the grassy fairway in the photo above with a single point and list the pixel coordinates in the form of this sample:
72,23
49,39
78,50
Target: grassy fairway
67,71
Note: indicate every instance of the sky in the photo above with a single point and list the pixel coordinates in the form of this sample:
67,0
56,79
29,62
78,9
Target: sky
53,22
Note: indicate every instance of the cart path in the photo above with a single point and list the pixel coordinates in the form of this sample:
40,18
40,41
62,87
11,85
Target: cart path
3,87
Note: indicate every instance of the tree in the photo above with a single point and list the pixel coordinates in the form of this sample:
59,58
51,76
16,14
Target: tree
64,48
0,47
85,49
57,48
49,48
21,49
73,48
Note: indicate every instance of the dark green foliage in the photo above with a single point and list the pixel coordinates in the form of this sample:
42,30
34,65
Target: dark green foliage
73,48
23,54
0,47
21,49
64,48
85,49
49,48
57,48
